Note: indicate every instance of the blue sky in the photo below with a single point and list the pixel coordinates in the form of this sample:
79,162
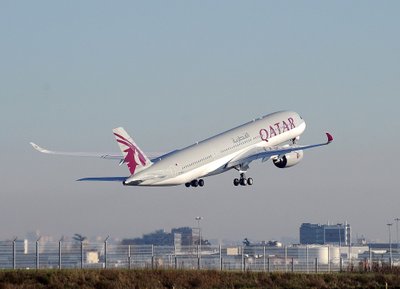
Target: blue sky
175,72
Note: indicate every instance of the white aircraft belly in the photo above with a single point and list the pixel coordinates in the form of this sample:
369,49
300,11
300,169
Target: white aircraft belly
200,171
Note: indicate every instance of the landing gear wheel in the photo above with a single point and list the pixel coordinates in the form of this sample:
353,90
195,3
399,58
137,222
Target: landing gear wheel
243,181
201,182
194,183
187,185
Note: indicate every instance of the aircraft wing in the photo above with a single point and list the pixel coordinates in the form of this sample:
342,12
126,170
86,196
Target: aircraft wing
268,153
107,156
104,179
78,154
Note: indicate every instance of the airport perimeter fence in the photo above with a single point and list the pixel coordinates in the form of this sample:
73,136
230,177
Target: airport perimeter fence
85,255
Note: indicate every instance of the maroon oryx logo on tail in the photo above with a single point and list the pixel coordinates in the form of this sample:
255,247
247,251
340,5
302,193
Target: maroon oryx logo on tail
133,156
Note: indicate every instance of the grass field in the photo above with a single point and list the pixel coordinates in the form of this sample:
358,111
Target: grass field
191,279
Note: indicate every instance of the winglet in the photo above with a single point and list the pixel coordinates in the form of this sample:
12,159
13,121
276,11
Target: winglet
330,137
38,148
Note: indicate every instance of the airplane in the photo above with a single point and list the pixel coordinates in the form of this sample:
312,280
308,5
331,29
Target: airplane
273,136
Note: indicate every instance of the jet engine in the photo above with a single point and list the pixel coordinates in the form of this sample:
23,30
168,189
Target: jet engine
288,160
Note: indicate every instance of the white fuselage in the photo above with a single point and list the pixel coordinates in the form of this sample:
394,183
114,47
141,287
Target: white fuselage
221,152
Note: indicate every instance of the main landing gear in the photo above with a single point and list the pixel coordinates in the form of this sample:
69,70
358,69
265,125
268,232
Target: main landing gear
195,183
243,181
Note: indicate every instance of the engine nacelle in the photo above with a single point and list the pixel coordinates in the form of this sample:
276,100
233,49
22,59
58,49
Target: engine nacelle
288,160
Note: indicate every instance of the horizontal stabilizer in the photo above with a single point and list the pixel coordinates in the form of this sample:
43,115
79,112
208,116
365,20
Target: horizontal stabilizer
104,179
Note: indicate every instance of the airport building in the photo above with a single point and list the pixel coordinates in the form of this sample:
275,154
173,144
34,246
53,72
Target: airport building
339,234
184,236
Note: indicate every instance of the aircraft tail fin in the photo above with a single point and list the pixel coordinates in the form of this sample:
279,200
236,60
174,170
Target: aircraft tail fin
134,157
